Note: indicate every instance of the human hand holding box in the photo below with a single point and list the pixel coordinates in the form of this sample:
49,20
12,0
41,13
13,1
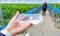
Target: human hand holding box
35,18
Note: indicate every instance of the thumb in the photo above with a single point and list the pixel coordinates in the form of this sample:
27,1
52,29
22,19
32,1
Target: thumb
16,15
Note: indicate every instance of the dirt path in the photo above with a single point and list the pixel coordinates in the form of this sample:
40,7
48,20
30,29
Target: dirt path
46,28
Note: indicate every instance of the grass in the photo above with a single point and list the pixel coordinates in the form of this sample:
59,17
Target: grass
57,5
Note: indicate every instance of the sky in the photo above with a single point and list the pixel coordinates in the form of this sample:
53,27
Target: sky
31,1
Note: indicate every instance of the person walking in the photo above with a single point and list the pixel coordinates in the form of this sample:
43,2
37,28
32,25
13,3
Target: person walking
44,8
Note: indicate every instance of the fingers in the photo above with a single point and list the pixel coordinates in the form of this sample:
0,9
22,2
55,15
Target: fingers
22,18
16,15
30,19
28,24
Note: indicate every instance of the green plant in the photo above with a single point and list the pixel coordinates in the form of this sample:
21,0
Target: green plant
9,10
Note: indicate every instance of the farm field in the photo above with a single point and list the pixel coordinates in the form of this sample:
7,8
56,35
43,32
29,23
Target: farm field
56,5
9,10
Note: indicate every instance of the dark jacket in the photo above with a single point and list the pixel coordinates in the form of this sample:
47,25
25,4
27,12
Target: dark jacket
1,34
44,7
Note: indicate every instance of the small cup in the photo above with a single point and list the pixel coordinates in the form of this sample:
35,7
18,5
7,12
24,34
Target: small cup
35,18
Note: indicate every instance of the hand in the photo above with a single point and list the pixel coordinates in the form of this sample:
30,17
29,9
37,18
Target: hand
14,27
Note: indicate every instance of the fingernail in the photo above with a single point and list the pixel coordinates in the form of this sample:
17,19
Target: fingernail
17,12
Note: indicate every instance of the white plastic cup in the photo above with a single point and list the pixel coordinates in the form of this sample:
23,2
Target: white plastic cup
35,18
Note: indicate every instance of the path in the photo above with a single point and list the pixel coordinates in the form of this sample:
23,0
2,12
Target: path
46,28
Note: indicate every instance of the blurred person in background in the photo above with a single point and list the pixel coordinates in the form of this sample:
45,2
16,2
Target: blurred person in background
44,8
